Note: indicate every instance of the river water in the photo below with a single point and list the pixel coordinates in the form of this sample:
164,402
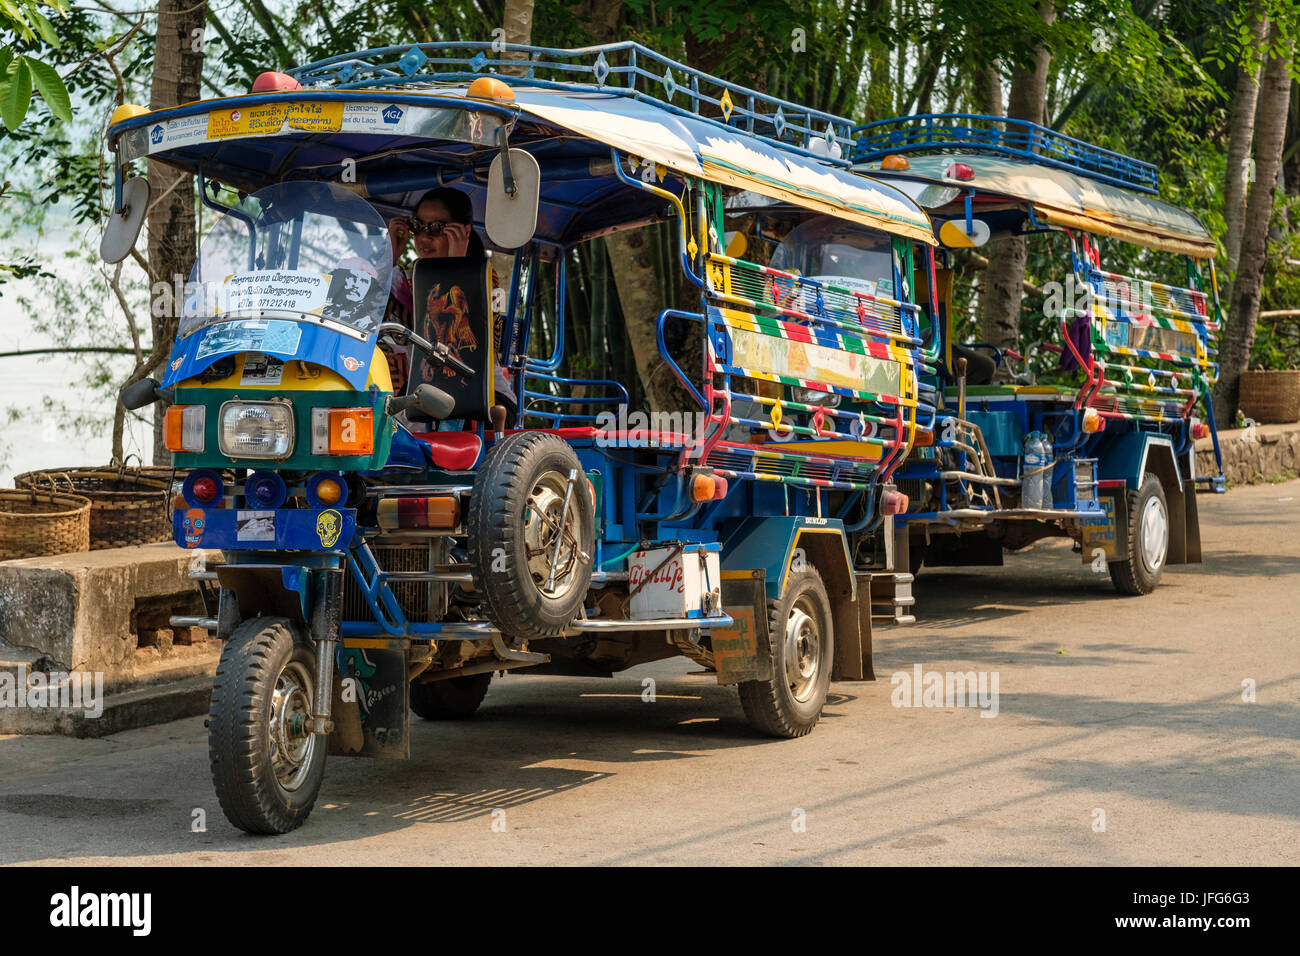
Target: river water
32,437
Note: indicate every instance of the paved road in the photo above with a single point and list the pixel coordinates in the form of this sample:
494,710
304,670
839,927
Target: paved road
1128,707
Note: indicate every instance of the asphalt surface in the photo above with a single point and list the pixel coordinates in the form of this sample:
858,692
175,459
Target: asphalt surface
1121,737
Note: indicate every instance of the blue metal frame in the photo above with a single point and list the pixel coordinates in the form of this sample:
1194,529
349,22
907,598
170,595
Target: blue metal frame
997,135
625,69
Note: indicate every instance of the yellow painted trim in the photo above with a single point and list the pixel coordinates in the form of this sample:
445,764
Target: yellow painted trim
795,543
304,377
1107,226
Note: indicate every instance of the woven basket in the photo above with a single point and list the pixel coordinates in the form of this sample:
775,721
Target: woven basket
1269,397
127,508
36,523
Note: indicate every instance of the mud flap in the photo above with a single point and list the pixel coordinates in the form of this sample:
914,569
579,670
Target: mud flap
853,634
1109,530
744,651
372,700
1193,523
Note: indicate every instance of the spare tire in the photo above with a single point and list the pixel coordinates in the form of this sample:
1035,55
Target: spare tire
530,553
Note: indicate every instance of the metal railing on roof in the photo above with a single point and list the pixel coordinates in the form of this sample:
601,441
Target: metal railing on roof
1017,139
623,68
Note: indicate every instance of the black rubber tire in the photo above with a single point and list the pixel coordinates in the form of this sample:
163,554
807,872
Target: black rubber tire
495,521
452,699
1134,576
239,729
770,705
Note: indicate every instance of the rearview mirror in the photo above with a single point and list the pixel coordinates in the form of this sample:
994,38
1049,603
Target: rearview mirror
510,217
123,227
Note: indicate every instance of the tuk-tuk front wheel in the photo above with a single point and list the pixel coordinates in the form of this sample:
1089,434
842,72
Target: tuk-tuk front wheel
1148,540
266,767
803,648
531,531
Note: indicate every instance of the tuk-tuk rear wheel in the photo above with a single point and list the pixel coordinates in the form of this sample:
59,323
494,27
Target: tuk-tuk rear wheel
266,767
1148,540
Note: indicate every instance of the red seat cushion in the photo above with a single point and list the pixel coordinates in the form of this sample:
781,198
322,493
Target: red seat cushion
454,451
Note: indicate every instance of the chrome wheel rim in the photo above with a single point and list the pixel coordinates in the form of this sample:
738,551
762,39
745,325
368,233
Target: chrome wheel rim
292,746
803,650
1155,534
546,525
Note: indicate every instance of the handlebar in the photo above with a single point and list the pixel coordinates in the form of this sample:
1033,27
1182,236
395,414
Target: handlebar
437,352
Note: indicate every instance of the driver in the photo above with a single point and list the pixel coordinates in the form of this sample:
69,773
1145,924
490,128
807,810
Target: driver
442,227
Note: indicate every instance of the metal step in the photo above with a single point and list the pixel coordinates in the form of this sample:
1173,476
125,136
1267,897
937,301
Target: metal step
891,597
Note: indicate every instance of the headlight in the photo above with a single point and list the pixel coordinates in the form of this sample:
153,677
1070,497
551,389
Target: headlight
811,396
256,430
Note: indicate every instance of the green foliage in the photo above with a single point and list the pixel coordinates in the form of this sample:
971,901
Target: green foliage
23,26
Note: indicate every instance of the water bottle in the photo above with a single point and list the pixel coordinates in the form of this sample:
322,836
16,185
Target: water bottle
1045,479
1034,459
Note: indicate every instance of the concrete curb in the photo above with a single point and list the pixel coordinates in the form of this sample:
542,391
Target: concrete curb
124,710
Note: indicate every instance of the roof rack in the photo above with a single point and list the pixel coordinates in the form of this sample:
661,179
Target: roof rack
626,68
976,132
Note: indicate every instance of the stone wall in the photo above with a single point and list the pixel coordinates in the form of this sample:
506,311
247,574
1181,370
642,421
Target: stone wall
1253,455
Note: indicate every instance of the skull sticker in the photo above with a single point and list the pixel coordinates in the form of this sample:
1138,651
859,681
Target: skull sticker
192,525
328,525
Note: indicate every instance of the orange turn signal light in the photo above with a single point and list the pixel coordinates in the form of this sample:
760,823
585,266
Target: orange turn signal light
702,487
923,438
352,431
1092,421
183,428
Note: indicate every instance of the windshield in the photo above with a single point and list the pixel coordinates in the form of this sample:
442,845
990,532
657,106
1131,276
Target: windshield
296,250
839,253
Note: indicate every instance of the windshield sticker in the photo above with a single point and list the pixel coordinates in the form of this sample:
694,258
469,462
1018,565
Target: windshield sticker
251,335
255,526
291,290
261,369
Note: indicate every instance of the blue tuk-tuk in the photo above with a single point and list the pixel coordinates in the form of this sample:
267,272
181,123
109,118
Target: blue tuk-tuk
1090,431
388,546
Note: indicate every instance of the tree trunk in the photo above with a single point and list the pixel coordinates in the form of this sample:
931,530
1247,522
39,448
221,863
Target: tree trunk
988,90
1241,130
176,70
518,24
1270,133
632,257
1002,292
